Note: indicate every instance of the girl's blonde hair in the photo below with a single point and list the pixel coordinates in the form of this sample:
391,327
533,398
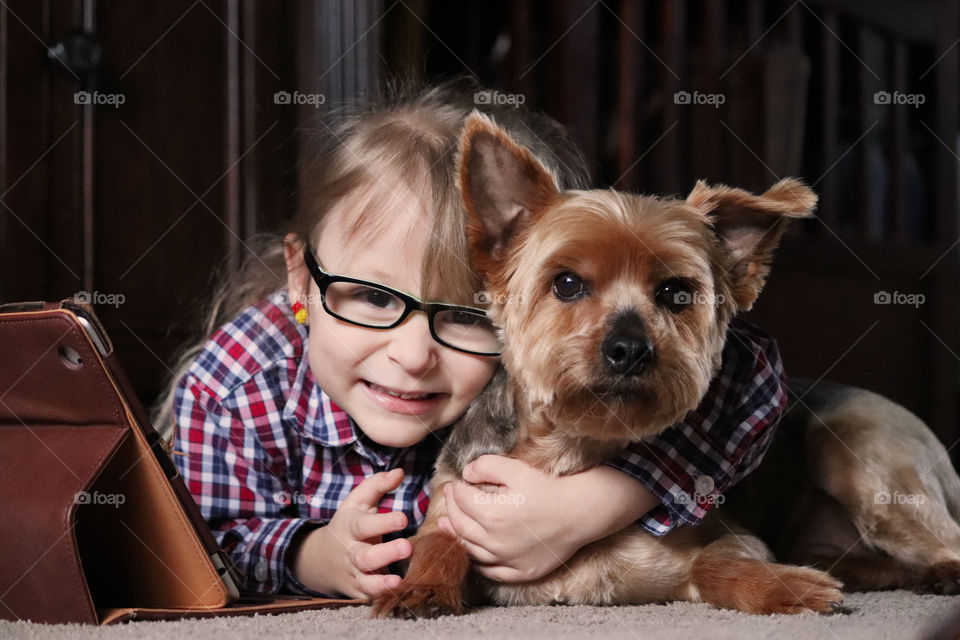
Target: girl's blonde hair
408,132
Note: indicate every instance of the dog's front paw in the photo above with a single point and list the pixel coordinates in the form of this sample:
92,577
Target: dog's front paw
942,578
411,601
799,589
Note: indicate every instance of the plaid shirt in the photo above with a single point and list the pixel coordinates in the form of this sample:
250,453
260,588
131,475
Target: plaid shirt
265,451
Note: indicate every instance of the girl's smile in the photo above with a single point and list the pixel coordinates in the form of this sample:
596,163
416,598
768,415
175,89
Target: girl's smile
407,402
397,384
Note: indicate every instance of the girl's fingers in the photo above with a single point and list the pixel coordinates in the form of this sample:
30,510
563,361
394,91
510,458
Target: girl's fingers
373,585
373,557
466,527
373,525
477,553
367,494
492,469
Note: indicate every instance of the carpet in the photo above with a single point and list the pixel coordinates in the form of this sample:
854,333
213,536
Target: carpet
897,615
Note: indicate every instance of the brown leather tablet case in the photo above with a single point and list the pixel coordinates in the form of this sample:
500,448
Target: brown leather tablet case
96,525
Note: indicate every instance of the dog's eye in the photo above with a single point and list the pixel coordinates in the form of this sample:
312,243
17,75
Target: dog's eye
569,286
674,294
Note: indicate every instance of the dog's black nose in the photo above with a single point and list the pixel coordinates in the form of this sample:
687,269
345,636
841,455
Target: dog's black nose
627,355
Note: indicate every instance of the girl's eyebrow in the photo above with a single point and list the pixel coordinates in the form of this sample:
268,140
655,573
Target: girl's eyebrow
381,276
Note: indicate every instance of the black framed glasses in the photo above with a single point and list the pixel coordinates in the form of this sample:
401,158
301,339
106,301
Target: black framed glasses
376,306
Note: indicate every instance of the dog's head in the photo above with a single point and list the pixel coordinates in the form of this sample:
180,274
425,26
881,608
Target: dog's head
613,307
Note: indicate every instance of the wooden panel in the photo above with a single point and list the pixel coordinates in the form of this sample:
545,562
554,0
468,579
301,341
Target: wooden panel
41,138
923,22
140,202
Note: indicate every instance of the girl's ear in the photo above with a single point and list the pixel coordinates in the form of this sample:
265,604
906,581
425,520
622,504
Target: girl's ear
298,277
503,187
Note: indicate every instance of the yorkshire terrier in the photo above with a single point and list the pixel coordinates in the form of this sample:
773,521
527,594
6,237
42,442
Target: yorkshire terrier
613,310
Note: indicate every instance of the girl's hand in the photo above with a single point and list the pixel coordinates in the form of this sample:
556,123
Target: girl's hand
346,555
533,522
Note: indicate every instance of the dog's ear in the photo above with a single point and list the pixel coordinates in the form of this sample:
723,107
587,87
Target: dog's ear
750,227
503,186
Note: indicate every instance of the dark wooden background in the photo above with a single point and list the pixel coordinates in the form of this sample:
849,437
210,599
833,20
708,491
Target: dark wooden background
149,199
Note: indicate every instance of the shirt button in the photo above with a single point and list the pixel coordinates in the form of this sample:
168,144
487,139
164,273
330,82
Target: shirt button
260,571
704,485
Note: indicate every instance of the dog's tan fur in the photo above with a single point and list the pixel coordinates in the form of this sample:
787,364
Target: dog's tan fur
845,455
572,413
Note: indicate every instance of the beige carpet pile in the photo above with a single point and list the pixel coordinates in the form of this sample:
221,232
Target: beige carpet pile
897,615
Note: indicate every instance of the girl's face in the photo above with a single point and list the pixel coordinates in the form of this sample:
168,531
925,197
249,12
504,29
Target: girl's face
365,370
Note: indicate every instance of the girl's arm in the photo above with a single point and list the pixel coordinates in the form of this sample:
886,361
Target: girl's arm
236,484
689,466
536,522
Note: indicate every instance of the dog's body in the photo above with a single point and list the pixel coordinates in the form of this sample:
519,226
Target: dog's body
857,485
607,340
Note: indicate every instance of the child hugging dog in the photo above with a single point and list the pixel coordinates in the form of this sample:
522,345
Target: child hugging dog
627,301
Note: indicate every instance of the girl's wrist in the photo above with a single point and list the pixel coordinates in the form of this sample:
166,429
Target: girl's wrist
305,557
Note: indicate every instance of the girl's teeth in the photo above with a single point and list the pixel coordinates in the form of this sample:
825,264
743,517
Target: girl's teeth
402,396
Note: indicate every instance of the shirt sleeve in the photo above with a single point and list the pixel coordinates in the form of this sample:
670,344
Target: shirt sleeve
689,466
242,487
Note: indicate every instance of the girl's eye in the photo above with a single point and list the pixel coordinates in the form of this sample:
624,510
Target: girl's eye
463,318
569,286
675,294
373,297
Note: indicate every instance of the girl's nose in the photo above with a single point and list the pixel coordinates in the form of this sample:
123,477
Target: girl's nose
411,345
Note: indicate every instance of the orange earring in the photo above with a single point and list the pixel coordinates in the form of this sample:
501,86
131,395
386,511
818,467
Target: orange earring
299,312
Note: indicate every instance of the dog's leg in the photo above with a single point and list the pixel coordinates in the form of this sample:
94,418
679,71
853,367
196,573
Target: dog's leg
724,578
896,485
634,567
434,583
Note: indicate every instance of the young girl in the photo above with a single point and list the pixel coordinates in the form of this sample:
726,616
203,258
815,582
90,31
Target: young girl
309,420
